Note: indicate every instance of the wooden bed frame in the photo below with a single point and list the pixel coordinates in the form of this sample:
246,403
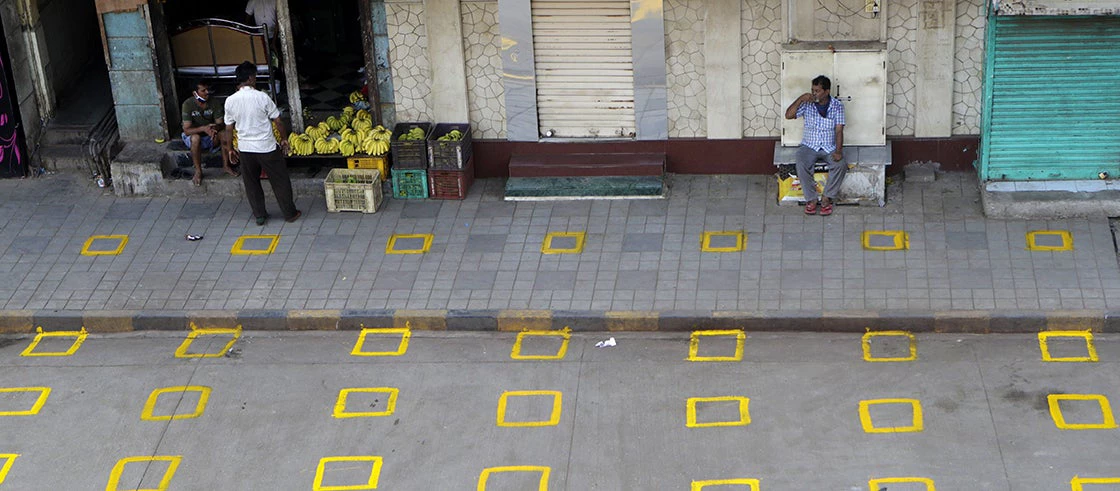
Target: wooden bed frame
212,48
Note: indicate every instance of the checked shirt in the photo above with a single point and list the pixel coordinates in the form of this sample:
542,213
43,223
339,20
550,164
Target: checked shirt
820,132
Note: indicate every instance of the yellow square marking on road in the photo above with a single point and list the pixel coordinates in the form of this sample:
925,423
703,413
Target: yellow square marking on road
1078,483
374,474
1044,240
42,399
239,248
150,406
172,464
869,427
1091,351
9,459
565,335
197,333
404,332
751,484
553,418
886,240
545,471
744,411
694,345
94,240
1107,421
340,411
391,246
871,334
79,338
739,239
548,246
876,484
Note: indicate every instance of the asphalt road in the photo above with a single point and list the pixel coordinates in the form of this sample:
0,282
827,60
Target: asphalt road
464,411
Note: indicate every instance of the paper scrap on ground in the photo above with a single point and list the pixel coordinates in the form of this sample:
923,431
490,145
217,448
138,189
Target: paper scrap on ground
604,344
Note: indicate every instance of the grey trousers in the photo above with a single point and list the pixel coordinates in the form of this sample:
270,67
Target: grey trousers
273,163
806,160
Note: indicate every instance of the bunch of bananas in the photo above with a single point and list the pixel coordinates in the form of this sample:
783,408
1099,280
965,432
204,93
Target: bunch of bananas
324,146
333,123
317,132
301,144
356,96
416,133
346,148
451,136
380,133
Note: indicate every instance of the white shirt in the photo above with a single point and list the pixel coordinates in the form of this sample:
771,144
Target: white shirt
252,111
263,12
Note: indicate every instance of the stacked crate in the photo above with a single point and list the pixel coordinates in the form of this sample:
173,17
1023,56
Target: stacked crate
450,166
353,190
410,162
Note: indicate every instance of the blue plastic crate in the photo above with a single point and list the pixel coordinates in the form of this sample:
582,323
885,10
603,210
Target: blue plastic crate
410,183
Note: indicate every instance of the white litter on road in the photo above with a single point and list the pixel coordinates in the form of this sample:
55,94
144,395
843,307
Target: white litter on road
604,344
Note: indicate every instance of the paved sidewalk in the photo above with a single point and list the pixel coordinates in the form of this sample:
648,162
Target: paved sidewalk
641,268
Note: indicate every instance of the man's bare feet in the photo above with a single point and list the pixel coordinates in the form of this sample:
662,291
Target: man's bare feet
229,170
197,178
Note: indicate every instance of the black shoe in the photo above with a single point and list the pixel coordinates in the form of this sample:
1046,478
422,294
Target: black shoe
262,220
294,217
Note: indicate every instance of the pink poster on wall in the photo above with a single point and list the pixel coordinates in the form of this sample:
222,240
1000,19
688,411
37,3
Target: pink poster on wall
13,148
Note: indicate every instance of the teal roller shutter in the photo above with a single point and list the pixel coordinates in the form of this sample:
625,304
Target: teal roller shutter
1053,98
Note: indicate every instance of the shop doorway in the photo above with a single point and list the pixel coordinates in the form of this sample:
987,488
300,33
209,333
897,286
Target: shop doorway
327,38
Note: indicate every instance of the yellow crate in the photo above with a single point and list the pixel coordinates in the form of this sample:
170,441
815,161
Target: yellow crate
378,162
353,190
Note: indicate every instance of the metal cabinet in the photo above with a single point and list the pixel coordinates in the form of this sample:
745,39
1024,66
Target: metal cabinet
859,79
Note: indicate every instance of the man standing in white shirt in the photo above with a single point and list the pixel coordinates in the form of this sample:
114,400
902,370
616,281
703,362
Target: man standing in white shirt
252,113
263,13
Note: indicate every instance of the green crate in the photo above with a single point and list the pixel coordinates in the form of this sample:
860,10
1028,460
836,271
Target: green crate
410,183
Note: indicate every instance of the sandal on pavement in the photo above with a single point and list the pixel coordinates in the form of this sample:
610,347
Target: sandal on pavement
811,208
826,210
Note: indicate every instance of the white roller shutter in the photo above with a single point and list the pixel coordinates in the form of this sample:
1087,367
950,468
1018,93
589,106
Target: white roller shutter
584,69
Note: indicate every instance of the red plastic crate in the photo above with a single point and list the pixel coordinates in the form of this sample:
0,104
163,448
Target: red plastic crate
451,184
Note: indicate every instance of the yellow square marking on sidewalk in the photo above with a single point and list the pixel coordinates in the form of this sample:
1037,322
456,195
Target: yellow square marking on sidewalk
871,334
1091,351
1107,421
751,484
1049,240
196,333
42,399
240,246
876,484
869,427
79,338
200,407
425,244
374,474
730,241
553,418
9,459
564,334
94,245
549,245
1078,483
545,471
744,412
886,240
404,332
172,464
694,345
340,411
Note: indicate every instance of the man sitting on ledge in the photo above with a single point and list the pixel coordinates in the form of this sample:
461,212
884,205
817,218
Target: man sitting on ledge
823,140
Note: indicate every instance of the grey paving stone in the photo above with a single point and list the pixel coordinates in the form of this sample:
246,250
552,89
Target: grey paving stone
53,211
126,211
718,280
636,280
648,208
29,245
725,207
888,278
499,209
970,278
81,281
193,210
642,242
554,280
966,240
802,241
423,209
571,209
409,244
237,279
332,243
800,278
563,242
474,280
484,243
881,240
1057,278
394,280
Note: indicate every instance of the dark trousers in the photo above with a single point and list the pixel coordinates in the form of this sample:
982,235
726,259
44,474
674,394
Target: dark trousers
273,163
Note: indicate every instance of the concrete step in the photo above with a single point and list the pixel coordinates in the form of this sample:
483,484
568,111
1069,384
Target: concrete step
587,164
63,157
535,188
66,135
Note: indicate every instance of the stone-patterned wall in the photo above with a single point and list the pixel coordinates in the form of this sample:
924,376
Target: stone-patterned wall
408,59
762,67
482,42
687,90
902,21
968,70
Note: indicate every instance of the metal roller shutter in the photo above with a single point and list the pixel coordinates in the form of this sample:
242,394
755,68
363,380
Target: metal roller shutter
1052,109
584,69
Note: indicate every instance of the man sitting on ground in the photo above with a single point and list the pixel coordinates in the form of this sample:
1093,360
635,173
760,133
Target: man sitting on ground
202,124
